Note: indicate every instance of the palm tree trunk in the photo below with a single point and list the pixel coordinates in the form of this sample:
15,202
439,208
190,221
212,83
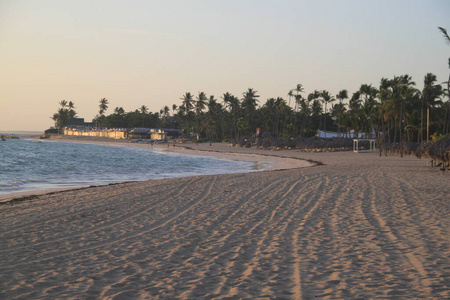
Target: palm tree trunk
395,130
339,119
401,125
223,128
325,123
421,123
389,129
428,124
447,118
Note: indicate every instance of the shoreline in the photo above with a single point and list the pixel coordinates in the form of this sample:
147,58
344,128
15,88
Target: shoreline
270,162
248,154
358,226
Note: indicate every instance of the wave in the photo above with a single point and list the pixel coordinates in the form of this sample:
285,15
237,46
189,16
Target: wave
52,164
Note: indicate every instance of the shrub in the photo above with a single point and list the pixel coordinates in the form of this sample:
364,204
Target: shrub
437,137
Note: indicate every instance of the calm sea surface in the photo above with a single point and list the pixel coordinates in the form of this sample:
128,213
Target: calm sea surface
27,165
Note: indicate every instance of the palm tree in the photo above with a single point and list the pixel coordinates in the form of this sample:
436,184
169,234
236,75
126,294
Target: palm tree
200,105
174,108
61,118
143,110
64,114
447,119
316,109
290,94
187,102
304,110
249,103
326,98
212,103
337,111
63,103
103,106
186,114
214,115
282,111
298,97
232,103
267,112
119,111
406,92
383,115
446,36
341,96
299,102
368,94
400,88
354,106
447,39
166,110
70,108
298,89
430,95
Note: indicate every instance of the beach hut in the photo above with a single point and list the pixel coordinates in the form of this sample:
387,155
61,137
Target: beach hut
139,133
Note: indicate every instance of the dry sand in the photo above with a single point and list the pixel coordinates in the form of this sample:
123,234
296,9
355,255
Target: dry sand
359,226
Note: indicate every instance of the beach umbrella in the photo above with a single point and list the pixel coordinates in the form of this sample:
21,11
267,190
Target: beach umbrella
440,151
421,151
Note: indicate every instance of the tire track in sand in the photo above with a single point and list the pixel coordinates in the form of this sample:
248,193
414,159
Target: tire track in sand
154,226
125,190
297,279
249,197
381,226
286,218
119,219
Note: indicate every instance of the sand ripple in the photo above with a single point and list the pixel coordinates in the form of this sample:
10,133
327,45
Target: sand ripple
359,227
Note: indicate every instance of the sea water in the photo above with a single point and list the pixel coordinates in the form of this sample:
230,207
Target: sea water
28,165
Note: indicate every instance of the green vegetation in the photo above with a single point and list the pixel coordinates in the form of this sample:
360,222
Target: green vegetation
64,114
395,107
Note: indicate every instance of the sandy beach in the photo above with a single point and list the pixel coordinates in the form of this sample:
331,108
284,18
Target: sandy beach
358,226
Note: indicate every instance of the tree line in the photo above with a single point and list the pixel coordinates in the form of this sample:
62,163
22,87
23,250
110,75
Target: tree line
395,107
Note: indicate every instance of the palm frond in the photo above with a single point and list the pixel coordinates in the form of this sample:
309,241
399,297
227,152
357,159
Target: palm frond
446,36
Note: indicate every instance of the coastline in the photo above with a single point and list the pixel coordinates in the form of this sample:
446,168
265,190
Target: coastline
358,226
218,150
262,161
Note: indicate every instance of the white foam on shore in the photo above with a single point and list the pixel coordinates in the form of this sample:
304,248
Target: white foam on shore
232,163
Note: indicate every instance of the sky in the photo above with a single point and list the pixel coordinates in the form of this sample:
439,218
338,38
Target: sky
150,53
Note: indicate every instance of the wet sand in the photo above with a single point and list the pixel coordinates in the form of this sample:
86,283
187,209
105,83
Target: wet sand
358,226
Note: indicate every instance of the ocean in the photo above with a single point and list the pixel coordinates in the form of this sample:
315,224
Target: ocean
29,165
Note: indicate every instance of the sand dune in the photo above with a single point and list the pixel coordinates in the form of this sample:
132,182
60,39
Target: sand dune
359,226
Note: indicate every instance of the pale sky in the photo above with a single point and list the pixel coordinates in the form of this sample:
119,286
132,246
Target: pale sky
150,53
